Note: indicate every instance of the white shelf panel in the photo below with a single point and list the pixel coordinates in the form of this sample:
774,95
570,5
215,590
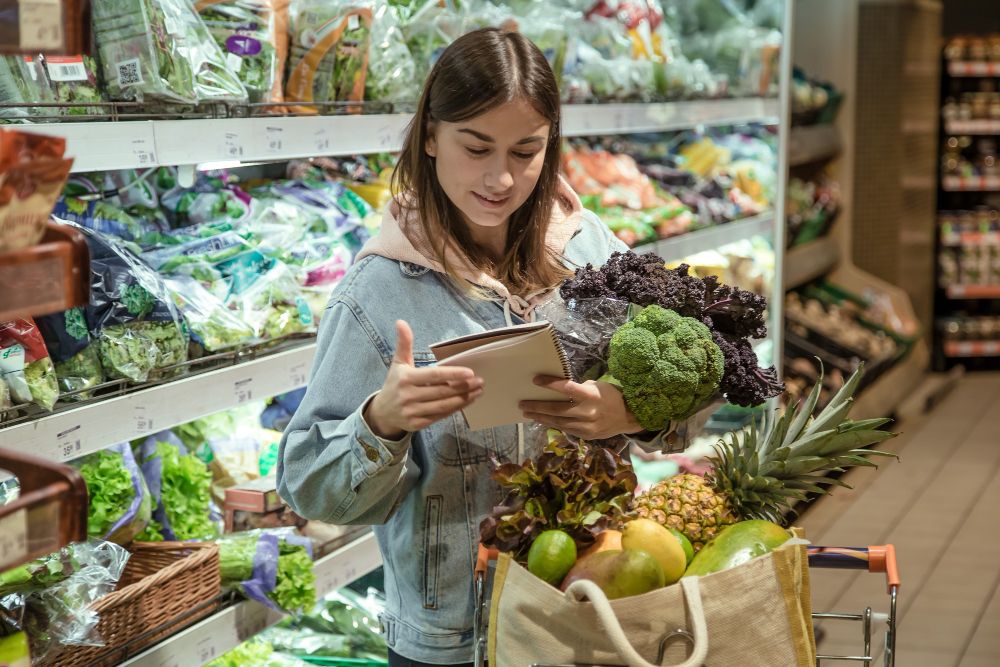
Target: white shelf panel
812,143
710,238
88,428
221,632
977,126
136,144
809,261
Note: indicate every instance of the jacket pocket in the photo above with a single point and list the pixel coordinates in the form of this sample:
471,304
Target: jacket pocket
432,550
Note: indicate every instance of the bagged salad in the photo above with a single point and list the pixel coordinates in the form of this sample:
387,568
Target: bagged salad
213,326
120,507
253,36
23,81
25,366
274,304
160,50
73,79
272,566
329,50
180,487
131,314
77,362
131,215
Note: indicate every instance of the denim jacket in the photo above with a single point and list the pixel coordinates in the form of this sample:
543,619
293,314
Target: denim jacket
426,494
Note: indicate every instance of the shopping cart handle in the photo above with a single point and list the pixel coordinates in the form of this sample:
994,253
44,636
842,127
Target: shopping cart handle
484,557
880,558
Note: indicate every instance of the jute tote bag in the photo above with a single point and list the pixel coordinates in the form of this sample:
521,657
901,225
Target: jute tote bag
754,615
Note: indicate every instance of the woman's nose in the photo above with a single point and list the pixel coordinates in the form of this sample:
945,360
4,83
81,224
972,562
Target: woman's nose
499,177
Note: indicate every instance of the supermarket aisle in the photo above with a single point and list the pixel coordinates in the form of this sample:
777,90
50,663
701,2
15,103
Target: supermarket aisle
940,506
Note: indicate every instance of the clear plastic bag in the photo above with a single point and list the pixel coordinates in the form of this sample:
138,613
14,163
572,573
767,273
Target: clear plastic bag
584,328
271,566
25,365
77,362
159,50
213,326
274,304
392,73
23,81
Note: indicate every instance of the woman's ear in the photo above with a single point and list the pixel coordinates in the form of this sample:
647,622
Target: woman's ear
430,145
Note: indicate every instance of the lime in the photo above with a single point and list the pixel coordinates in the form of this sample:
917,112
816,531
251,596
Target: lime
685,543
551,556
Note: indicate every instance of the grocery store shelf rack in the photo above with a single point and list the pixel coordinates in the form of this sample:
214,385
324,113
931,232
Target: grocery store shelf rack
78,429
973,291
974,126
710,238
809,261
959,68
141,144
972,348
225,630
971,183
812,143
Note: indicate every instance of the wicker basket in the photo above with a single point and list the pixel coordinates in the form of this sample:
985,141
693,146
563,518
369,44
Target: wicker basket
166,586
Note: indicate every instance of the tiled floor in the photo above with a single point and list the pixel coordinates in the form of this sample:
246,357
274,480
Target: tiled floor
940,505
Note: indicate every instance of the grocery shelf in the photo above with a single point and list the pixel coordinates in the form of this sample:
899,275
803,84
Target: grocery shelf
223,631
54,269
973,68
971,183
710,238
972,348
958,239
883,396
809,261
812,143
75,431
973,291
98,146
977,126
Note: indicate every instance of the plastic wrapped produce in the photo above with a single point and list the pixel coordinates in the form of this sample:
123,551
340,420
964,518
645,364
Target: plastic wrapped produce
392,73
73,79
25,366
159,50
274,304
23,81
119,504
131,315
343,625
253,36
273,567
210,199
71,348
213,327
329,46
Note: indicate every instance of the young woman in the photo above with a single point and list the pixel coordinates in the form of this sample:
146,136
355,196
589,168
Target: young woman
482,231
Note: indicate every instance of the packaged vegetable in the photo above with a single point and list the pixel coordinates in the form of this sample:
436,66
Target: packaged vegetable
131,314
345,624
329,52
213,327
25,366
23,81
255,652
392,74
77,362
273,567
210,199
179,484
253,36
274,304
119,506
32,174
73,79
57,591
159,50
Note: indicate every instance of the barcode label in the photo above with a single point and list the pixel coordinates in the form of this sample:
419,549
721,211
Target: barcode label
13,538
129,73
234,145
353,22
143,422
273,138
243,391
66,69
298,376
68,444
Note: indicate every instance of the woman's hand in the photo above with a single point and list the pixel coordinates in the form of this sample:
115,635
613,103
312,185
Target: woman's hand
597,409
414,398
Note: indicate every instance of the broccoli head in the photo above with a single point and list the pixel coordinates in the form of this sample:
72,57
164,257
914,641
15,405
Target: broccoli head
667,365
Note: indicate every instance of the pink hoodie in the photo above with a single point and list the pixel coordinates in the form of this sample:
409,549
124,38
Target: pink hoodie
402,239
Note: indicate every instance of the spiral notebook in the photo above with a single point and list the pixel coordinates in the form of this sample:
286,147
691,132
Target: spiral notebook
508,360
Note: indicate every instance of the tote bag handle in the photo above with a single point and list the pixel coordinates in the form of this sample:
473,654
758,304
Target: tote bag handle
587,590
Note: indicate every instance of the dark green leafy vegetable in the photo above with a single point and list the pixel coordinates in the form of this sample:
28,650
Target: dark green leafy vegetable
109,488
574,487
295,585
185,487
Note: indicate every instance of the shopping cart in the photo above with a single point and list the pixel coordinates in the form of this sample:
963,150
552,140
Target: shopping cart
880,559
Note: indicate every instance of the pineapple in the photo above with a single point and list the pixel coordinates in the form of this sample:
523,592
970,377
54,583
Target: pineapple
761,474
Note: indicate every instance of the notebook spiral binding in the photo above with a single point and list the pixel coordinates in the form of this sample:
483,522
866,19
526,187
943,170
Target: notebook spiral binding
563,359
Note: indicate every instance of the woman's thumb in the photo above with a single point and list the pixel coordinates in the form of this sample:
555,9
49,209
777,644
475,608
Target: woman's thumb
404,344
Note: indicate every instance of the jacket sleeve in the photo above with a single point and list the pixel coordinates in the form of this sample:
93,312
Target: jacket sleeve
331,467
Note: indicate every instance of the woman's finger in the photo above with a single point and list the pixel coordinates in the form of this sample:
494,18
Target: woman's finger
436,392
439,374
566,387
444,406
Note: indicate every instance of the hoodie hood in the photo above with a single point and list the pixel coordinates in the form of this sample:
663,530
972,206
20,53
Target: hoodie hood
402,238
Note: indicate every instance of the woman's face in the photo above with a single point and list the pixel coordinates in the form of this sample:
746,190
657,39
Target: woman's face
489,165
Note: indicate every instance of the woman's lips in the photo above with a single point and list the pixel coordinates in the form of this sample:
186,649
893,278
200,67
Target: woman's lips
491,202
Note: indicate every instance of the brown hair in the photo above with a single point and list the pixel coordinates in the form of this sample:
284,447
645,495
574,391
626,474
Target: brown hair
477,73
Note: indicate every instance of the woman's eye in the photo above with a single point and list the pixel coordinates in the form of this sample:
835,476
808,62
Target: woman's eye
524,156
478,151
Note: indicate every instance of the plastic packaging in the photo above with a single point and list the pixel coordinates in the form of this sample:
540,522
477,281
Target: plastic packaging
213,327
253,36
22,81
119,507
274,304
131,315
55,594
584,328
25,366
73,79
273,567
392,73
159,50
329,51
77,362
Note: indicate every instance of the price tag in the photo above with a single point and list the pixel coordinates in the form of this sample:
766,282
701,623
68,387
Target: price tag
233,146
298,375
13,538
206,650
243,391
144,152
321,140
68,444
143,421
273,138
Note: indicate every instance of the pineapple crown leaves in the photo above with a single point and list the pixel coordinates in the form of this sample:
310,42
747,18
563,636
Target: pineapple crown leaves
764,471
575,487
